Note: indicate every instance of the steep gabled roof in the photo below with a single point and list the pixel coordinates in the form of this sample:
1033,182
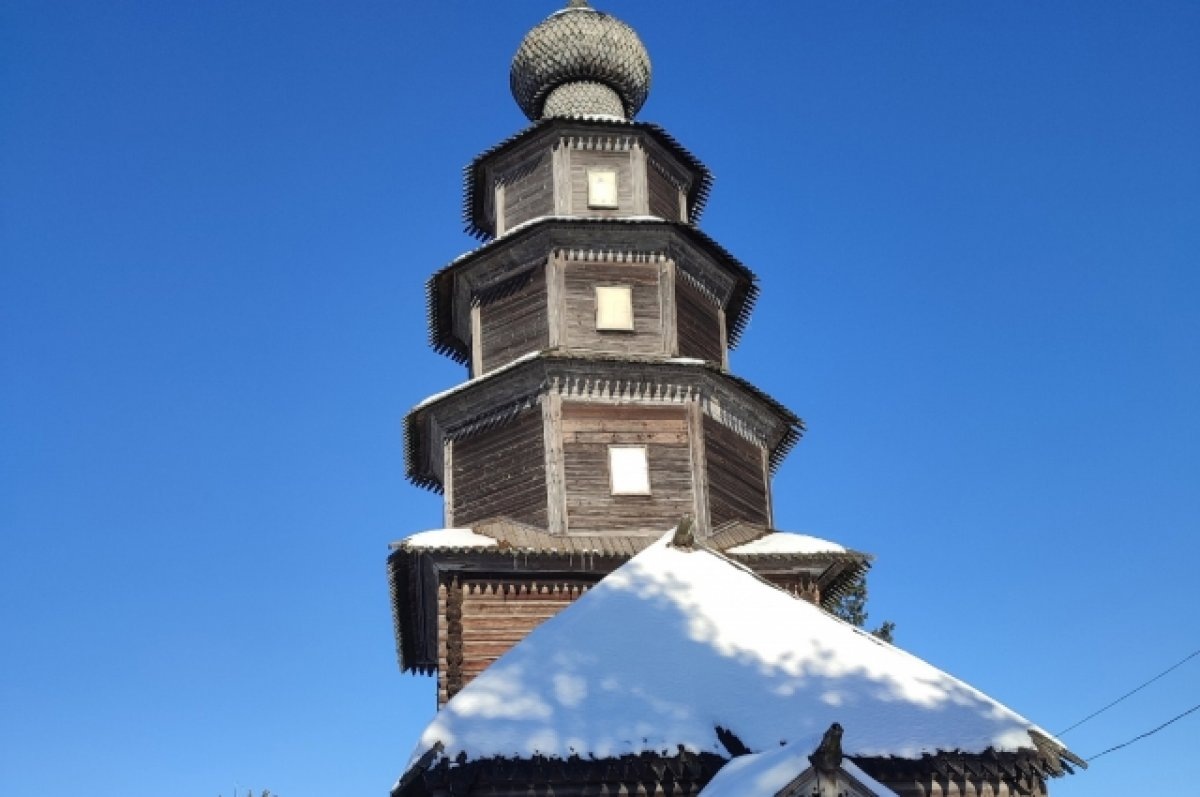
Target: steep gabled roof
678,643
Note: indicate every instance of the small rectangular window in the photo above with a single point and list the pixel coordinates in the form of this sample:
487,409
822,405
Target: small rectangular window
602,188
614,307
628,471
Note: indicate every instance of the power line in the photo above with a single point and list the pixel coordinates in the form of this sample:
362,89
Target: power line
1177,664
1147,733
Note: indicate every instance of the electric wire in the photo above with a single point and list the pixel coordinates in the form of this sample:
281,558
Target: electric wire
1131,692
1144,735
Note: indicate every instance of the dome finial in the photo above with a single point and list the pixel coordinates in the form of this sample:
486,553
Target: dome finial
580,62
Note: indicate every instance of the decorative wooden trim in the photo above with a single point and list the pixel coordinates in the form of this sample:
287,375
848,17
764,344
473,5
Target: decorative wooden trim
766,472
485,293
668,310
600,142
680,775
454,637
609,256
617,390
442,647
724,339
939,775
556,301
556,485
476,339
564,588
500,225
704,288
510,171
562,178
695,419
448,484
641,192
667,172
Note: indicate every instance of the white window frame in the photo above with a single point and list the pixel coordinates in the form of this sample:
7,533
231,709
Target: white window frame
614,291
603,193
619,482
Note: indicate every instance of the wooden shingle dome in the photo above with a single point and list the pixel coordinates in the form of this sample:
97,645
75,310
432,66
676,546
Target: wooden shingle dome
581,62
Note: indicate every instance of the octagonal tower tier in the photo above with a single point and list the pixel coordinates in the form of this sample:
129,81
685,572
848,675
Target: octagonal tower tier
639,287
583,167
599,445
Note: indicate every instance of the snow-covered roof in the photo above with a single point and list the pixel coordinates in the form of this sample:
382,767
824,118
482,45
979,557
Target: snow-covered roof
782,542
675,643
766,774
448,538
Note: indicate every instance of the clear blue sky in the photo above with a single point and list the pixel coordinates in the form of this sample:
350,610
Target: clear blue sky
977,226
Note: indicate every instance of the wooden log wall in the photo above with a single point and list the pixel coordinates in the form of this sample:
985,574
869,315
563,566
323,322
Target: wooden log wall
501,471
699,323
584,159
514,324
663,192
495,615
588,431
737,476
579,321
526,191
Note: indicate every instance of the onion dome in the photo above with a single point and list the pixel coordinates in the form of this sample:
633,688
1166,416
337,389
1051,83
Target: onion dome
580,62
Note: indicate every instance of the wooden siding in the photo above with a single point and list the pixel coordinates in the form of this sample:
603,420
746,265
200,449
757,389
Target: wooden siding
501,471
663,193
497,614
528,190
579,321
698,323
514,324
588,431
736,476
584,159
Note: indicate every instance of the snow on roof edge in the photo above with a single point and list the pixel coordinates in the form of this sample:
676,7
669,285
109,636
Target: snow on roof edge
784,542
571,688
447,538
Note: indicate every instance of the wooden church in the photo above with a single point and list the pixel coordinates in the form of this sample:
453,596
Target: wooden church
595,320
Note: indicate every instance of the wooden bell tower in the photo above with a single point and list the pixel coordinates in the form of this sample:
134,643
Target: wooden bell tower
595,321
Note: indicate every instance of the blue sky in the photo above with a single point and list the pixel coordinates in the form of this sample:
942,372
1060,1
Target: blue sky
976,229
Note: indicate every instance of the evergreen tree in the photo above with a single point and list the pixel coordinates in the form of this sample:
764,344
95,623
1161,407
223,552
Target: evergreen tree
852,607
